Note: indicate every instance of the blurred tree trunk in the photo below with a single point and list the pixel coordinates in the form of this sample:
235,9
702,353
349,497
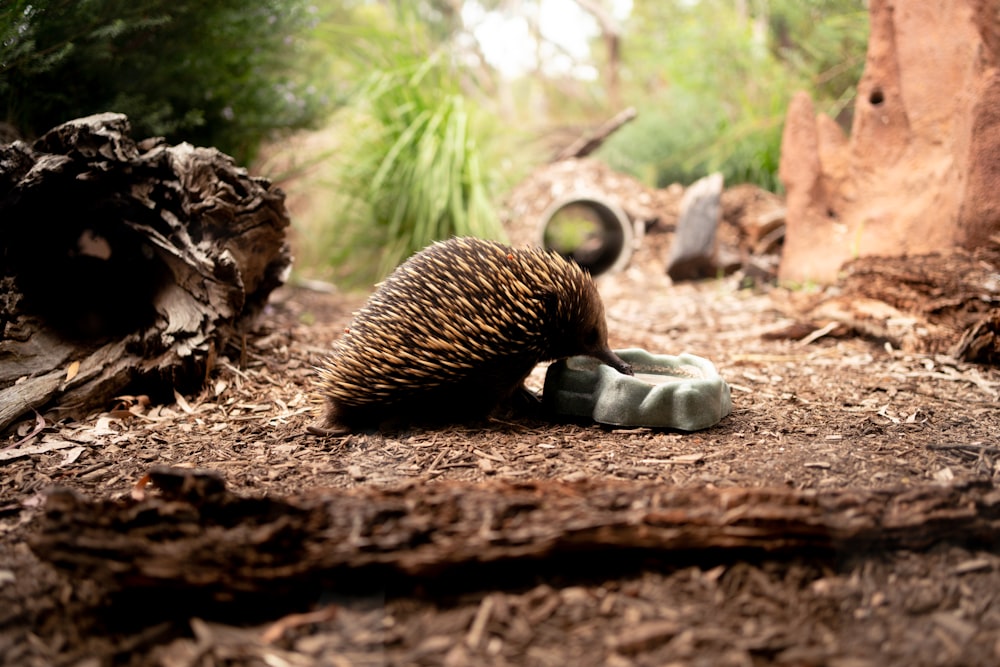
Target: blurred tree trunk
611,34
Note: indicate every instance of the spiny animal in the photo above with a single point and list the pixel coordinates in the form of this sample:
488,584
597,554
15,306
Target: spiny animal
454,331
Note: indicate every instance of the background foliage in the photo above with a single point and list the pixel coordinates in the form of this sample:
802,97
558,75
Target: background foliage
716,77
421,130
220,73
412,162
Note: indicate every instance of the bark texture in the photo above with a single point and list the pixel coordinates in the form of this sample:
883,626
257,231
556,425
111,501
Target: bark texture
125,262
199,537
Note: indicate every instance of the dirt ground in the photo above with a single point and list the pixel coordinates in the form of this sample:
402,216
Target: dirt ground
831,414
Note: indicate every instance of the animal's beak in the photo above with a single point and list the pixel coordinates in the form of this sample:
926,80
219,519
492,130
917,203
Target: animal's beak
613,360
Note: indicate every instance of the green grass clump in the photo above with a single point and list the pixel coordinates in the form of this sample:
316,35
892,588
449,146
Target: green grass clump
410,169
419,167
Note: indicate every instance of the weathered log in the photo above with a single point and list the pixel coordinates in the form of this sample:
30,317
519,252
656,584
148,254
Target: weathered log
125,262
198,537
941,303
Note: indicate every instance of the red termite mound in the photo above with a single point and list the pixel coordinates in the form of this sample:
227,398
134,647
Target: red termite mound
920,171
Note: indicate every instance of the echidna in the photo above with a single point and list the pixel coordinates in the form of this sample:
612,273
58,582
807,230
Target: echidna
455,330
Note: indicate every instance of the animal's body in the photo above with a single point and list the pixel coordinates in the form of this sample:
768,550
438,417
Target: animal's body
455,330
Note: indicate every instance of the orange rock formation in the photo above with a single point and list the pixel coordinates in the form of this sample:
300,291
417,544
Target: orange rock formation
920,171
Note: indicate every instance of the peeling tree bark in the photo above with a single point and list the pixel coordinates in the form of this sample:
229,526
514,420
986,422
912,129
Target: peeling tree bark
199,537
125,263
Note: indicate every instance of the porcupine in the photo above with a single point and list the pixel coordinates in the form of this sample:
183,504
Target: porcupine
456,329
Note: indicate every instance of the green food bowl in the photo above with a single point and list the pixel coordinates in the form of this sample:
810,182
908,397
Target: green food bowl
682,392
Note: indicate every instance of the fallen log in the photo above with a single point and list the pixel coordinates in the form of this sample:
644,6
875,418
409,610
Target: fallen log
125,263
941,303
197,536
588,143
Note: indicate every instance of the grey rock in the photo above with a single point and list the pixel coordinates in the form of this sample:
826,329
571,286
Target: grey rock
692,254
